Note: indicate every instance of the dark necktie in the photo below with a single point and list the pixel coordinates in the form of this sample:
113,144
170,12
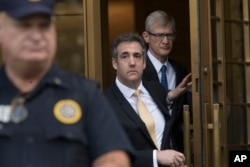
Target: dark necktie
164,80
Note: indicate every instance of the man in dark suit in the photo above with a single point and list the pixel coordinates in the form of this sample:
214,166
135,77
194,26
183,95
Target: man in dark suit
153,146
159,34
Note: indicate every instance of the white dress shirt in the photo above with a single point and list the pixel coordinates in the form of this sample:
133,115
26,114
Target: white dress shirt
171,75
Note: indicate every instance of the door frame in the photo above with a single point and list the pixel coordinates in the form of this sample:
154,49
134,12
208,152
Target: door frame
195,70
93,39
206,134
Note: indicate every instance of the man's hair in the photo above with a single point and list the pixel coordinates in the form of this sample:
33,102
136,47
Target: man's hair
160,19
129,37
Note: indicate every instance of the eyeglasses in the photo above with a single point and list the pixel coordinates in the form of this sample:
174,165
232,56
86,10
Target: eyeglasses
161,36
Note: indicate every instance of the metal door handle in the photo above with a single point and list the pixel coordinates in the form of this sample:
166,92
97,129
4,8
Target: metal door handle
216,136
186,134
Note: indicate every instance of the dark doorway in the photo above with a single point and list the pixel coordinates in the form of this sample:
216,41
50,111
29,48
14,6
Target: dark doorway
123,16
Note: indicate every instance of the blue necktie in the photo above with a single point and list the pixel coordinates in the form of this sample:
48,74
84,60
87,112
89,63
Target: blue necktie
164,80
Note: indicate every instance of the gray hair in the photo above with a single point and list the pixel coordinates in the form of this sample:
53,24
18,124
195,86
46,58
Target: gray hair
129,37
159,18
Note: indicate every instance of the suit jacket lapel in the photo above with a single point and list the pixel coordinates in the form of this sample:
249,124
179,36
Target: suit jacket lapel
149,72
159,98
128,109
178,71
162,105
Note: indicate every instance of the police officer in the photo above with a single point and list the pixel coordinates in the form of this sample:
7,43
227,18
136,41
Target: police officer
49,117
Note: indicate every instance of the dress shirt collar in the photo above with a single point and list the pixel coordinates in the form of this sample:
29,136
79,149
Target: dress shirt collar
128,92
156,63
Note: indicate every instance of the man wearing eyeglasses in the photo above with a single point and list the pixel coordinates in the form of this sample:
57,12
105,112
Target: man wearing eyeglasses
160,34
49,117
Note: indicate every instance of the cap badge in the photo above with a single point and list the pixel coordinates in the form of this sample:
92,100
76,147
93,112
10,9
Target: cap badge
67,111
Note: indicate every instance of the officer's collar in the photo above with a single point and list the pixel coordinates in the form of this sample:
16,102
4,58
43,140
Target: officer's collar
54,77
5,82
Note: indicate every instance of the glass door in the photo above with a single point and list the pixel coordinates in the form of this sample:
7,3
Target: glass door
69,23
237,73
221,85
79,37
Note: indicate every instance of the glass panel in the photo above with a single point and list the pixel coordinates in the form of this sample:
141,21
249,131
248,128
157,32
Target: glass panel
213,38
213,7
235,80
234,41
70,53
69,7
216,61
233,9
235,74
237,125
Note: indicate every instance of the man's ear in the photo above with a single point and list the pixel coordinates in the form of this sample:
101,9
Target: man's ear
114,63
145,36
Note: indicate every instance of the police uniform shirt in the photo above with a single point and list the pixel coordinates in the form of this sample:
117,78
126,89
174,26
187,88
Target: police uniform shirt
69,123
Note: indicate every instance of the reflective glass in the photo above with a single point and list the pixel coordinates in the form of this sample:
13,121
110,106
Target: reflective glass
237,125
69,22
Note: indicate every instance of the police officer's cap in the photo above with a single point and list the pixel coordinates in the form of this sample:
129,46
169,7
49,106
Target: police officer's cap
21,8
